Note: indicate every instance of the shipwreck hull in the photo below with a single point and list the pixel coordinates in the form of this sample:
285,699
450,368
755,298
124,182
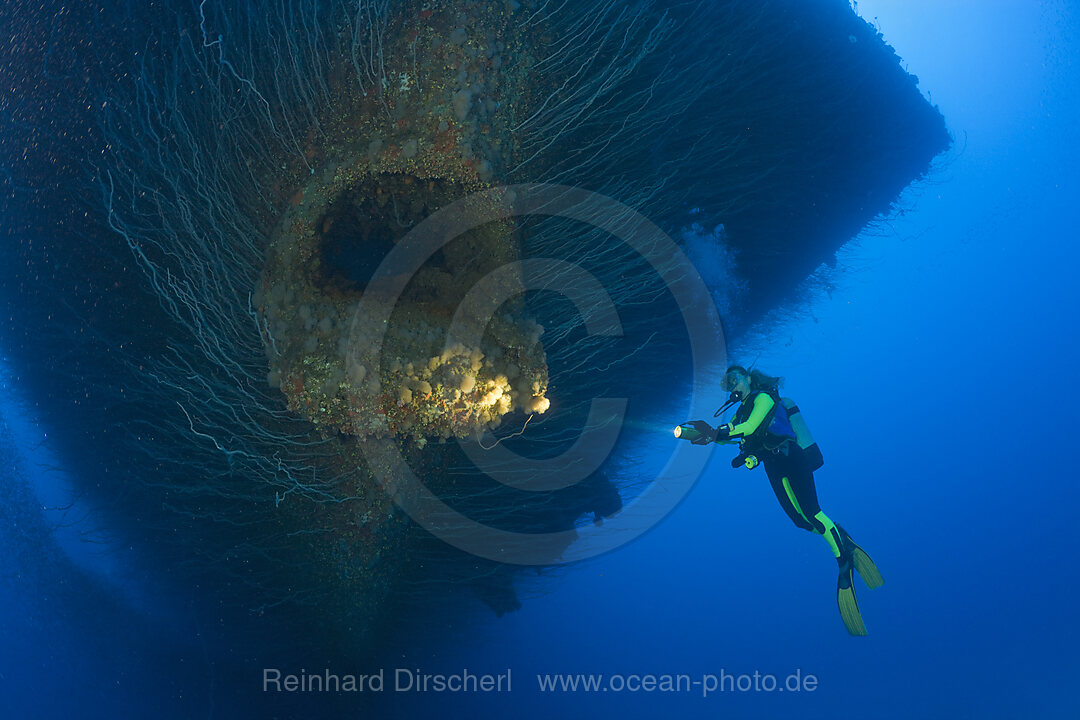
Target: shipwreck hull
206,271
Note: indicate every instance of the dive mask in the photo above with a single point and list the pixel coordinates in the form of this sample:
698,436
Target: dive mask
728,383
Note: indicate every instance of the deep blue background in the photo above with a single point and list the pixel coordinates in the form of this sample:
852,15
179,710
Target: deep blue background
939,380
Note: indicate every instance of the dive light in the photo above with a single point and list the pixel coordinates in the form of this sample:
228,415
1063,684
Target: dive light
686,431
701,433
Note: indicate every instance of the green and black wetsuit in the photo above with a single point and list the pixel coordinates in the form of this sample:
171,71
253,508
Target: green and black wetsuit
786,465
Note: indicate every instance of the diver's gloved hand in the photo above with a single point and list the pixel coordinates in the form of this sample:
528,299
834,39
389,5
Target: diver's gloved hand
723,433
707,432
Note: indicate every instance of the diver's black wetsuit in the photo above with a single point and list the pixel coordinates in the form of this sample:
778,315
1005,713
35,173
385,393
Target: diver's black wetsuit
793,467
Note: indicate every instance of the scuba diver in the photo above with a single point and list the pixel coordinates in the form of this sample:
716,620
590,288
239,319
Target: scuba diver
770,430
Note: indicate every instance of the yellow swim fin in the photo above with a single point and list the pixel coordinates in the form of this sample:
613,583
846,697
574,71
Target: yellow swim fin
863,564
849,606
866,568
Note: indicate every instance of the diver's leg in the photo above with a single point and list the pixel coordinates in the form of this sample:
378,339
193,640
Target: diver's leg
794,487
804,495
841,544
801,484
787,499
844,548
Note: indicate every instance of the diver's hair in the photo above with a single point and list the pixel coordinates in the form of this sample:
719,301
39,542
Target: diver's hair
758,380
761,381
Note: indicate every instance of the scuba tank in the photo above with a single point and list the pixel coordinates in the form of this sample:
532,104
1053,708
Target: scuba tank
802,434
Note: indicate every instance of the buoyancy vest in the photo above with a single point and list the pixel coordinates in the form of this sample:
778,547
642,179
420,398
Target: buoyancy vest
774,432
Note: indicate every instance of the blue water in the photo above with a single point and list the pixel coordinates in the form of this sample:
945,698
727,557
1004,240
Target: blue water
938,378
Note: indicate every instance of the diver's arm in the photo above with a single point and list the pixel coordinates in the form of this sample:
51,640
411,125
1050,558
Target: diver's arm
762,405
